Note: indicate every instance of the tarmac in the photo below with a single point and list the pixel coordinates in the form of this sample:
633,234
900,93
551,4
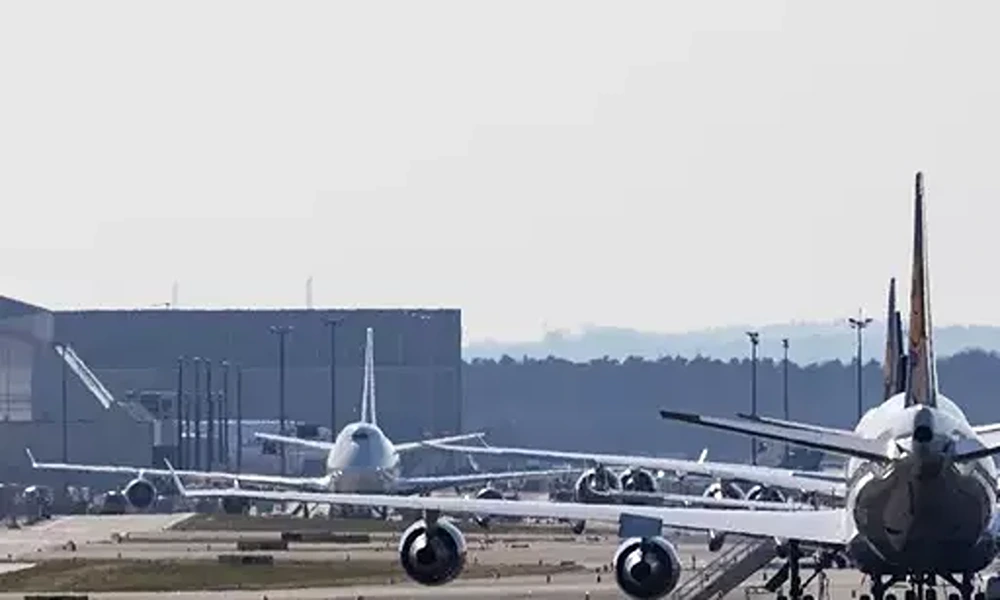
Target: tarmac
145,537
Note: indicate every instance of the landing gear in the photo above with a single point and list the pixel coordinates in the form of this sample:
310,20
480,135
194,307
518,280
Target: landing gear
923,587
792,573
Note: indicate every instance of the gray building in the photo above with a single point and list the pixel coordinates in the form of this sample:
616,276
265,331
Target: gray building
121,375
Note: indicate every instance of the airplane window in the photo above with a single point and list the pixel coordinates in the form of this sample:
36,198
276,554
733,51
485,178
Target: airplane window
359,435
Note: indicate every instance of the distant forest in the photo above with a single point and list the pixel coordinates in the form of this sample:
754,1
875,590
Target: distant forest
612,405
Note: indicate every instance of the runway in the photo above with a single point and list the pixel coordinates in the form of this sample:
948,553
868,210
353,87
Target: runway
82,530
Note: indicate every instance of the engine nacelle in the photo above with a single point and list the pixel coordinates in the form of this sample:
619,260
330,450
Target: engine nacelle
724,489
432,554
140,493
486,493
234,506
715,540
646,567
594,483
763,493
721,490
637,480
112,502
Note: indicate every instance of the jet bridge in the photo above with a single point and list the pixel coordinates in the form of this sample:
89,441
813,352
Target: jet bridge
86,376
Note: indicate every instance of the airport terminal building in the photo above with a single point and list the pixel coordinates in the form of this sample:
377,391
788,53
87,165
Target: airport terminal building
120,370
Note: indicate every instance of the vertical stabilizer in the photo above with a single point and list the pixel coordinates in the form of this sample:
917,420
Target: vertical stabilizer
921,380
368,392
893,347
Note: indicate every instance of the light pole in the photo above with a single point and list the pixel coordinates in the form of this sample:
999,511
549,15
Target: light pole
332,324
196,425
224,417
784,386
209,417
239,419
859,324
754,340
179,412
282,332
65,407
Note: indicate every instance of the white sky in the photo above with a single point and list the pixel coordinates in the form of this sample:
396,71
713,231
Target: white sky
665,166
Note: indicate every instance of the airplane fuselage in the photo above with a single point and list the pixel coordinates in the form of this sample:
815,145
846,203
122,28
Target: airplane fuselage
362,460
922,513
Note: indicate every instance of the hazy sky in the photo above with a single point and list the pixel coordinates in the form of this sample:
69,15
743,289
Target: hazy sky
666,166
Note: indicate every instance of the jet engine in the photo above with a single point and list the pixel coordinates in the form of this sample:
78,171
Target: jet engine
593,483
432,554
721,490
487,493
637,480
140,493
646,567
763,493
234,506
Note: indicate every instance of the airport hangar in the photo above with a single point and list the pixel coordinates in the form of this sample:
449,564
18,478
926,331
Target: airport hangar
121,378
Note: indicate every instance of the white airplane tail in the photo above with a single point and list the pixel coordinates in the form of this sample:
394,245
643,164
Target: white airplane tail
368,390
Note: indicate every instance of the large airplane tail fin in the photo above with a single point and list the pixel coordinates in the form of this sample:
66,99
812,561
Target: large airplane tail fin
921,378
893,368
368,392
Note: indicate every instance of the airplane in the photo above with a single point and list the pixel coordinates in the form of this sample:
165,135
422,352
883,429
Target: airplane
360,460
920,502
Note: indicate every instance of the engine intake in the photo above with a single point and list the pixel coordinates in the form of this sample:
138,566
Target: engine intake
763,493
593,484
646,567
140,493
432,554
637,480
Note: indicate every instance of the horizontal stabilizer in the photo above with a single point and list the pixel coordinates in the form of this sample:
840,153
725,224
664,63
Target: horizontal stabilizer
795,425
990,448
284,439
464,437
836,443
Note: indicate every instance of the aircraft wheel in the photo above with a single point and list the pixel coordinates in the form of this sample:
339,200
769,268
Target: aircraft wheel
930,594
865,597
910,594
890,597
954,596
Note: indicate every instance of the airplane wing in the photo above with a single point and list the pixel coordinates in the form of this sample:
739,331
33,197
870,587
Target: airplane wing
413,485
284,439
405,447
295,482
826,526
847,444
822,483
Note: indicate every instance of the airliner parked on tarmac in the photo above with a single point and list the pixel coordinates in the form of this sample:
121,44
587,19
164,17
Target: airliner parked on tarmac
921,493
361,460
